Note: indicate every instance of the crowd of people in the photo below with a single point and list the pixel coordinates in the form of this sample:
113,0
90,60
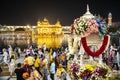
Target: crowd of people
39,62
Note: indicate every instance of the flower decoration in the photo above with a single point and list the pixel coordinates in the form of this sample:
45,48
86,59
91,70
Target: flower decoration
88,67
105,43
74,70
86,26
86,71
92,26
80,26
85,74
89,71
102,26
75,67
102,71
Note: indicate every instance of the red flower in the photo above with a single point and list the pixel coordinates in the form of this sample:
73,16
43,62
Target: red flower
99,51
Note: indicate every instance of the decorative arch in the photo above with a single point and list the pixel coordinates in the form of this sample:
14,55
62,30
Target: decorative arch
19,29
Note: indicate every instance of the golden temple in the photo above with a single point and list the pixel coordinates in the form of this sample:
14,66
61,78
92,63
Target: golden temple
50,34
53,35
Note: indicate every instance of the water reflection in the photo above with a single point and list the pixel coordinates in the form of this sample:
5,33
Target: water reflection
52,41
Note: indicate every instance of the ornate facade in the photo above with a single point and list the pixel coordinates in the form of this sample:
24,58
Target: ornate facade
50,34
53,35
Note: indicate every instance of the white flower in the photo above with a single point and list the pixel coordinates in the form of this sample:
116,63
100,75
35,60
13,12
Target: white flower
80,25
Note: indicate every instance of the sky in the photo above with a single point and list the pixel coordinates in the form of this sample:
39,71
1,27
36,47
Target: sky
27,12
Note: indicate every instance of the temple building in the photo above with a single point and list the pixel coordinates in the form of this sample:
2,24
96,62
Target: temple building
53,35
50,34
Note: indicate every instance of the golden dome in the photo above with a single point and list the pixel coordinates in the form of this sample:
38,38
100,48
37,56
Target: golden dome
45,22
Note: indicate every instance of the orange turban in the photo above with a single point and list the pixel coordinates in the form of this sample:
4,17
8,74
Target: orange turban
43,63
25,75
12,52
26,62
60,65
62,57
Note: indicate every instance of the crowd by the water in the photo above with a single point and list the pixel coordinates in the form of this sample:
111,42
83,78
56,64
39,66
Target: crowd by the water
39,62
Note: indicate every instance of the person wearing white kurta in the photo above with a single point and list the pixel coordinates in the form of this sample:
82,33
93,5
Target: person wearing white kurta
12,66
9,50
44,48
5,56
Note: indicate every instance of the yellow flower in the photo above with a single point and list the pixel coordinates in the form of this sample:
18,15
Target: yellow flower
107,78
89,67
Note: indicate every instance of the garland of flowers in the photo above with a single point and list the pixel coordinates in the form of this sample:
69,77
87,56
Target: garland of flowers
99,51
84,26
89,71
79,26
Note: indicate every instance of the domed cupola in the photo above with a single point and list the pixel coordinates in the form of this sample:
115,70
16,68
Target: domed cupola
88,13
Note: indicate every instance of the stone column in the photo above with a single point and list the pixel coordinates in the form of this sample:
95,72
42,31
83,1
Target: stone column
100,59
118,58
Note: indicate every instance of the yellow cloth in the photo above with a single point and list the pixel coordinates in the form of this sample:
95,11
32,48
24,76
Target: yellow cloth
50,57
43,63
62,58
59,71
51,51
25,61
68,66
37,62
30,59
60,66
50,54
36,74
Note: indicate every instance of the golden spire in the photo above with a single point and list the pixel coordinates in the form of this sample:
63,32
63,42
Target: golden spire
110,19
38,23
45,22
58,22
